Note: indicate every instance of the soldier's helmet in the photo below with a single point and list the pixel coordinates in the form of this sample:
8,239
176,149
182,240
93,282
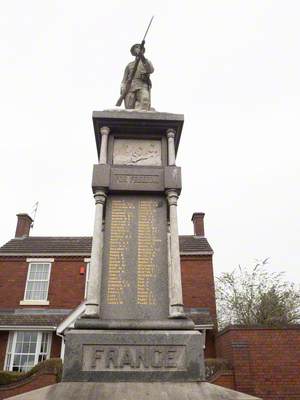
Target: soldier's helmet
134,46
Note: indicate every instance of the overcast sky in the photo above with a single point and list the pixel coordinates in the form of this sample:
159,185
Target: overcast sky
231,67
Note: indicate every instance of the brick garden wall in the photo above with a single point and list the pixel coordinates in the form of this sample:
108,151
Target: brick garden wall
224,379
266,362
34,382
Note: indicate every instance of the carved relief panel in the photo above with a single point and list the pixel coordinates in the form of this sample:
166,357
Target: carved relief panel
143,152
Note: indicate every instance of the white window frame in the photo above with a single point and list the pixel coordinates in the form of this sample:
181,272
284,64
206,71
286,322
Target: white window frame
12,338
87,276
37,261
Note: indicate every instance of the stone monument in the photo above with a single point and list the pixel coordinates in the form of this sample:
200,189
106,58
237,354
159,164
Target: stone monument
134,340
134,327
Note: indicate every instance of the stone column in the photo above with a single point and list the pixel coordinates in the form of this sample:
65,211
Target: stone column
175,288
169,268
103,149
171,146
176,303
93,293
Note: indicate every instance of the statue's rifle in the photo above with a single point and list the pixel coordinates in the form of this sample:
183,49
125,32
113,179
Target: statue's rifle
137,60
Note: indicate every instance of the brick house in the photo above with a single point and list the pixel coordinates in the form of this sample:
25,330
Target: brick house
43,283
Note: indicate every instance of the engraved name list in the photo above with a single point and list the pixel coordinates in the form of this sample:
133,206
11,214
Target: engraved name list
136,256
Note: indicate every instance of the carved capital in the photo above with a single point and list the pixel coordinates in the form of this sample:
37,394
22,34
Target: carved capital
171,133
104,130
100,197
172,197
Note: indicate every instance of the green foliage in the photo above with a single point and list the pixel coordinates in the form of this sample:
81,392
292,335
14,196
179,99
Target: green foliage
254,296
7,377
53,365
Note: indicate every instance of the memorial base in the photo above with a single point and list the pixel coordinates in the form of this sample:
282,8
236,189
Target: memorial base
133,391
127,355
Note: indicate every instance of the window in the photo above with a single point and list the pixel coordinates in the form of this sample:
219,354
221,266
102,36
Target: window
87,277
37,281
27,348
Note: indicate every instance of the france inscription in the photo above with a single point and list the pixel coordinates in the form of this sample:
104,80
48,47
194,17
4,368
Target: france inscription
135,281
138,358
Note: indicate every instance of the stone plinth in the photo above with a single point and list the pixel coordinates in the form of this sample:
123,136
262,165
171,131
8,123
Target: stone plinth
135,355
133,391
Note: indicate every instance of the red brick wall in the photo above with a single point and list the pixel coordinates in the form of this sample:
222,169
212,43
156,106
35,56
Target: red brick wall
12,282
266,362
55,346
66,289
198,282
3,343
199,291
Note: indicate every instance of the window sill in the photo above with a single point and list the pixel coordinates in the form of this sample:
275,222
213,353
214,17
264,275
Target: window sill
34,302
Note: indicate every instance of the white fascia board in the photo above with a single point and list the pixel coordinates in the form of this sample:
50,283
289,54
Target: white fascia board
87,259
27,328
49,260
66,323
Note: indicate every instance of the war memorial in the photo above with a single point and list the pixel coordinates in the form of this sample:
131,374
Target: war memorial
134,340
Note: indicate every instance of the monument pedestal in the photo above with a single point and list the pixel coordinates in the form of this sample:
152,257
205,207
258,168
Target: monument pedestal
130,355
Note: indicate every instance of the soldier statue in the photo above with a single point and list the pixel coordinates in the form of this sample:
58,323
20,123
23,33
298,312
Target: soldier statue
136,83
138,94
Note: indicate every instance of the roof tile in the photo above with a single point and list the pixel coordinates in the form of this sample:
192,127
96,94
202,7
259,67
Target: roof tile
81,245
42,318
